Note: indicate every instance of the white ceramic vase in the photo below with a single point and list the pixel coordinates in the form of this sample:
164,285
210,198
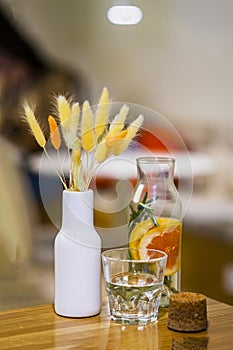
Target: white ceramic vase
77,260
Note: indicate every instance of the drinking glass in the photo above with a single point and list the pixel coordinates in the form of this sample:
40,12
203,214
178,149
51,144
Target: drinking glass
134,285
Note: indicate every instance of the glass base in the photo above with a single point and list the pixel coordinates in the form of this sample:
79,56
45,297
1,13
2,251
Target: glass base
137,312
127,320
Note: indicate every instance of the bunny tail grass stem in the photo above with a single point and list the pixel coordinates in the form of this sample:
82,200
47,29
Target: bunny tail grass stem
86,169
91,170
60,177
76,159
61,165
70,174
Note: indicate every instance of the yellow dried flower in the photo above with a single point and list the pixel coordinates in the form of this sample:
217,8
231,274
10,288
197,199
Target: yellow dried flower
34,125
74,117
89,139
87,128
131,132
64,111
69,119
102,152
102,113
118,122
115,141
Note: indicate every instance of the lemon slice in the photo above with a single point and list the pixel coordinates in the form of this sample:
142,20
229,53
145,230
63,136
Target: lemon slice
136,234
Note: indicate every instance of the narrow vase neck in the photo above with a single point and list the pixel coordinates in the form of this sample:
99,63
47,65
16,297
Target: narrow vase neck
77,209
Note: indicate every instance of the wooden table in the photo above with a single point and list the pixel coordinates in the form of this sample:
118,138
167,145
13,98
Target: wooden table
39,327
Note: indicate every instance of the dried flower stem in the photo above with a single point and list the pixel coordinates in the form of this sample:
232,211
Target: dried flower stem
76,158
60,177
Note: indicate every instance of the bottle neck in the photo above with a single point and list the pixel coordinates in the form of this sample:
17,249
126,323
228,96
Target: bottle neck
156,188
77,209
155,172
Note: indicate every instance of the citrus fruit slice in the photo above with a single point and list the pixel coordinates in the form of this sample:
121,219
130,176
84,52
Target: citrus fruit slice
136,234
166,237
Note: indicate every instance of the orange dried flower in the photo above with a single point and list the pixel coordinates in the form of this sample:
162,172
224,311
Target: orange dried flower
54,132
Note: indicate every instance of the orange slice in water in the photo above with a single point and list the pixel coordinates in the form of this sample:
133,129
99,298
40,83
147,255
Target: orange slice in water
166,237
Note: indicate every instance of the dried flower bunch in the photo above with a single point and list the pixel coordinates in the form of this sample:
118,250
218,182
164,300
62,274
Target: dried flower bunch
90,136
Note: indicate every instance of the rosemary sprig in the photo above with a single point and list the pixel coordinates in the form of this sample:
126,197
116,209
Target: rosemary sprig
143,205
134,214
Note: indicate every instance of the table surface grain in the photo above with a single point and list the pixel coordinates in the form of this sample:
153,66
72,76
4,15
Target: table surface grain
38,327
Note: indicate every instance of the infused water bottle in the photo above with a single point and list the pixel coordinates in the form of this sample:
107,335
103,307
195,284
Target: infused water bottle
155,219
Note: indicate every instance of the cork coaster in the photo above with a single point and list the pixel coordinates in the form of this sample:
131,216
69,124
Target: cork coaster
187,312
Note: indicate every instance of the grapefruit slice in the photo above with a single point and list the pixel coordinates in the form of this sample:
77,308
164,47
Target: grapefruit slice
166,237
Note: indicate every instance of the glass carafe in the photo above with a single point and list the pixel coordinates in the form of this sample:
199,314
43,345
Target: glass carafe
155,220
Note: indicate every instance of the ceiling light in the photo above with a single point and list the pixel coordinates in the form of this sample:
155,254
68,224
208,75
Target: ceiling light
124,15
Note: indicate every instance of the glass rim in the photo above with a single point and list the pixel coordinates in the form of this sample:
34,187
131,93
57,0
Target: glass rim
162,257
156,160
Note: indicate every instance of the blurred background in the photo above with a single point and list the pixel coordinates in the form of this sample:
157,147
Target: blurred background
176,61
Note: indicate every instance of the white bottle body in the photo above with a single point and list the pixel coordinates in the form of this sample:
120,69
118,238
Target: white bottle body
77,261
